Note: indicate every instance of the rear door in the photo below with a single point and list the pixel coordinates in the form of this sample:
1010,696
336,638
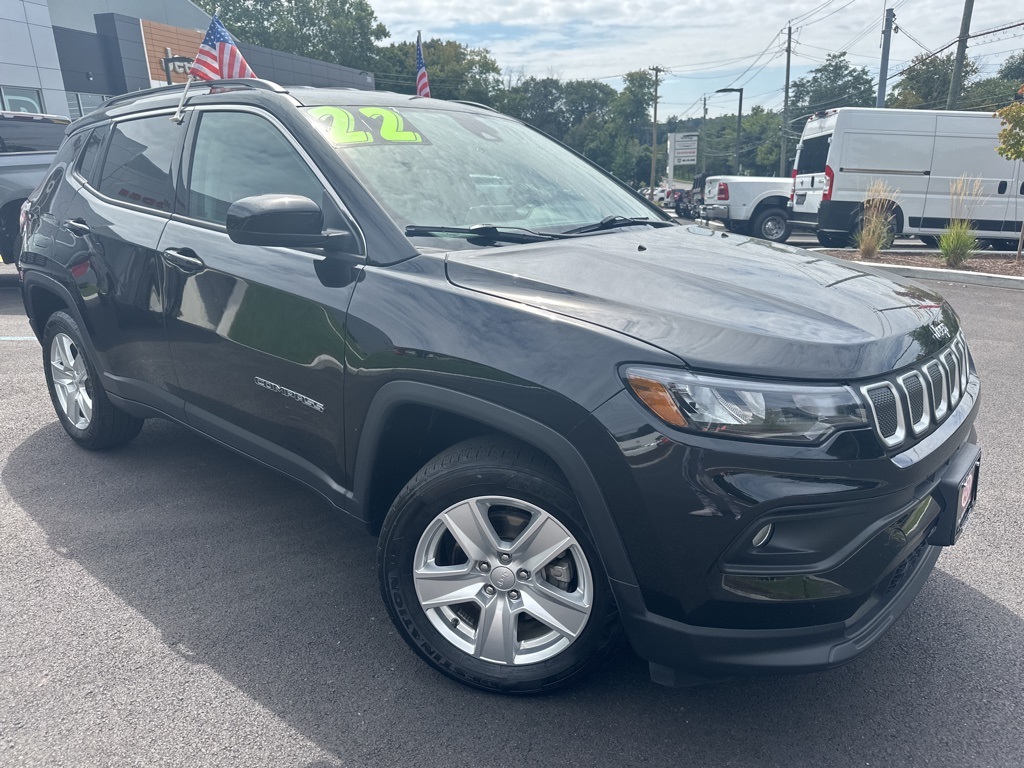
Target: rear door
809,181
258,339
108,235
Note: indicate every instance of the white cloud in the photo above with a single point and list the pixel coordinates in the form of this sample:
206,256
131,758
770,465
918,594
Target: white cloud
575,39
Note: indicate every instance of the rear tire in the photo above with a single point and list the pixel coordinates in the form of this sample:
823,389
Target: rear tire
490,575
771,224
930,240
81,403
833,239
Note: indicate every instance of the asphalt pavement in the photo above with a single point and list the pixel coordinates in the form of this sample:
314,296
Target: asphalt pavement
170,603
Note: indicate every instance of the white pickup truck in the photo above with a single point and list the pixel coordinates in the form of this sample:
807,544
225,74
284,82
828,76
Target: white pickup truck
749,205
28,144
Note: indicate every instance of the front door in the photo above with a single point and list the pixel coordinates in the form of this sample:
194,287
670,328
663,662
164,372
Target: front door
258,340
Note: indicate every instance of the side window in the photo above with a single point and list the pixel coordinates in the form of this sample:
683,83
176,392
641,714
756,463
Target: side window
137,167
87,160
239,154
69,150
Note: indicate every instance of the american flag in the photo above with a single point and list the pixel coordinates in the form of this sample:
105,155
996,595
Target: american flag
219,57
422,84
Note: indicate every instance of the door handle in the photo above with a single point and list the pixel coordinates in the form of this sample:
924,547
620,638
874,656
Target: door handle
1002,188
77,227
184,259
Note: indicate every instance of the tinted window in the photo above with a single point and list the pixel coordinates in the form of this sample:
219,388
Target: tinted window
87,162
137,167
813,154
47,191
225,169
27,135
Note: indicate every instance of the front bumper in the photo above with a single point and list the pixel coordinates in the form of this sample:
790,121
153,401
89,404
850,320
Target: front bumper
862,543
680,653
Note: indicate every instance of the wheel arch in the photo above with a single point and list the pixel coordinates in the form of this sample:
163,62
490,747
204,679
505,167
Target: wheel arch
400,408
771,201
43,296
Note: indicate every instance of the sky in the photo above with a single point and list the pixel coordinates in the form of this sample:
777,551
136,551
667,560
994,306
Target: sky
704,45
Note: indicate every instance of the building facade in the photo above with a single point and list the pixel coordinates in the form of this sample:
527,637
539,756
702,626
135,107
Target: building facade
65,56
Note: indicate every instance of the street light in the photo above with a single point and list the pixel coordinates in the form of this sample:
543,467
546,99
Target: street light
739,121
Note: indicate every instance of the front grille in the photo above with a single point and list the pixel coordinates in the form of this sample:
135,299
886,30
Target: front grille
886,407
915,397
925,396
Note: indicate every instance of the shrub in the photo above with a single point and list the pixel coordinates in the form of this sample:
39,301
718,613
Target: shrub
959,239
878,222
957,242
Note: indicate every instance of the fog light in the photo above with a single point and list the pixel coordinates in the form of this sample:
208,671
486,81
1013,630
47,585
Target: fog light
762,536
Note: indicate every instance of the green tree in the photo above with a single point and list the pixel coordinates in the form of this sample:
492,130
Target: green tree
581,98
925,85
455,70
343,32
537,101
836,83
1013,69
632,108
989,94
1011,143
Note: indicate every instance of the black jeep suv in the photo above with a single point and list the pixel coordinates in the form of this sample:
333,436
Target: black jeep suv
566,416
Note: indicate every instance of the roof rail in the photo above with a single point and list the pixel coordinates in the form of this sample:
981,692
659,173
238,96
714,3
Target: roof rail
474,104
241,82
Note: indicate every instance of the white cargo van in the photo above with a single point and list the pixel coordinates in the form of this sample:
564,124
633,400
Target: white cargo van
917,153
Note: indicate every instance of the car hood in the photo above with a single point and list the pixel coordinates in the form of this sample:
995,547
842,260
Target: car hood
721,302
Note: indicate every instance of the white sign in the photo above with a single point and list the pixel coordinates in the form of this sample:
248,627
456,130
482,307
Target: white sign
682,148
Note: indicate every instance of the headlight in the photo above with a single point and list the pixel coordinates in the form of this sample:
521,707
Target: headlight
751,409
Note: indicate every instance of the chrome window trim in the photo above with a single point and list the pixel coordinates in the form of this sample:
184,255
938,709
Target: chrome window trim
901,429
926,414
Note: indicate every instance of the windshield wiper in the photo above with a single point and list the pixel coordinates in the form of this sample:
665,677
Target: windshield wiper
614,222
485,232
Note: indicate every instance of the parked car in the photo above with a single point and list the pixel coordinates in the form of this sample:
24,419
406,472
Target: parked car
749,205
28,143
917,155
566,417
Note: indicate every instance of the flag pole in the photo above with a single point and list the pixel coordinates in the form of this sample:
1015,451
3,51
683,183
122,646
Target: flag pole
179,114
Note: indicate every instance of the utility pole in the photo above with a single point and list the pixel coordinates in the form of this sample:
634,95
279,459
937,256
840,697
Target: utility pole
654,130
957,80
703,149
883,69
785,105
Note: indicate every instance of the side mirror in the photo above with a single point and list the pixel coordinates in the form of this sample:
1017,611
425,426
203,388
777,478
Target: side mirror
291,221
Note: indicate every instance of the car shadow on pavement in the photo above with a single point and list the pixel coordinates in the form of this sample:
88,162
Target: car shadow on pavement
259,579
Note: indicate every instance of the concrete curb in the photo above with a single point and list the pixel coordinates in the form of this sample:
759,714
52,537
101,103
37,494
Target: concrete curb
949,275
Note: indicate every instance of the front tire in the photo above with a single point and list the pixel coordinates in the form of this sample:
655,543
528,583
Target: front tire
771,224
488,571
82,406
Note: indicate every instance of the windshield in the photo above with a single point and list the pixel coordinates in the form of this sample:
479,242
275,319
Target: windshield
436,167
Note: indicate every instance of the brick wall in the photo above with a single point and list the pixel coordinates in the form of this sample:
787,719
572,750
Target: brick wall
158,37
